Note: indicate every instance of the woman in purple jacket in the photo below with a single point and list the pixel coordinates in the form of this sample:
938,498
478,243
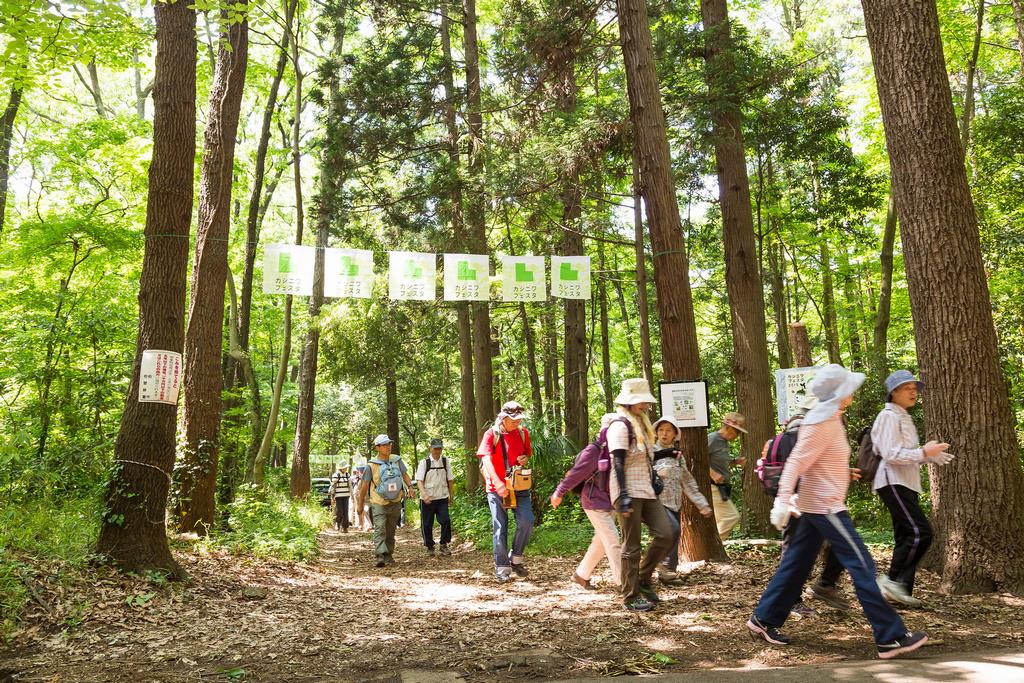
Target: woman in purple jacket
591,470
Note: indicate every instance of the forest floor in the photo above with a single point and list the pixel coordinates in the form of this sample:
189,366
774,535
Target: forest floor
438,619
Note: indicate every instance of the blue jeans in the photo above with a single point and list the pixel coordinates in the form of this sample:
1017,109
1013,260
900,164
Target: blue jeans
428,511
785,588
499,524
671,560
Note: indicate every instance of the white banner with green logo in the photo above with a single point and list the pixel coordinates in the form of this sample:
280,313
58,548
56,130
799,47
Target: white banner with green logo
522,278
467,277
348,273
288,269
570,277
412,276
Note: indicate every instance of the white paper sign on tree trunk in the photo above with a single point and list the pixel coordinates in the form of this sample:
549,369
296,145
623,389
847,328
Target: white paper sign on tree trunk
467,277
160,377
570,277
412,276
348,273
288,269
522,278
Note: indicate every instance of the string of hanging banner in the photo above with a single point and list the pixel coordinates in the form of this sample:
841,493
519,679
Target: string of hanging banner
412,276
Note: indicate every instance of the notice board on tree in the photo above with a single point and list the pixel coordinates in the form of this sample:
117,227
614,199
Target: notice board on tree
791,388
288,269
522,278
570,277
160,377
686,402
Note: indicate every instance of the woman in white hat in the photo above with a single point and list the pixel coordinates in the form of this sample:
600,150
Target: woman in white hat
898,483
631,443
820,462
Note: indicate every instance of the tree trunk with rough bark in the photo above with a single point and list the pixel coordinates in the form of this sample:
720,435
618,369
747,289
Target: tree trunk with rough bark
742,277
967,115
6,138
476,202
801,344
880,336
979,498
196,473
1018,21
132,533
606,359
680,357
643,305
391,408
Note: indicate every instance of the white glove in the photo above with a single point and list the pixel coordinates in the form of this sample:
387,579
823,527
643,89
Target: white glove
781,512
794,509
941,458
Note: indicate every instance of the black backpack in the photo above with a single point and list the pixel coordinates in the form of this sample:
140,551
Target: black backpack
867,459
769,467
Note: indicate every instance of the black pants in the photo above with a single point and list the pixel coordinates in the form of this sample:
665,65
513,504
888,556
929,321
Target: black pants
911,532
428,511
341,512
831,569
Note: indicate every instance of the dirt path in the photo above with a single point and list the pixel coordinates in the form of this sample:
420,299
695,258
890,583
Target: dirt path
438,619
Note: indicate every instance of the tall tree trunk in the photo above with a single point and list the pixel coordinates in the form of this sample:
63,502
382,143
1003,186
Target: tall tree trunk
252,221
828,302
391,407
742,278
620,296
132,533
249,376
256,467
196,474
331,181
801,344
777,268
967,115
968,403
467,404
606,359
475,218
531,361
879,346
1018,21
552,381
6,138
680,357
643,306
851,314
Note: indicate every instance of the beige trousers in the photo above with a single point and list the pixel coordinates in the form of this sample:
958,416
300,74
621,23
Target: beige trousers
726,514
604,544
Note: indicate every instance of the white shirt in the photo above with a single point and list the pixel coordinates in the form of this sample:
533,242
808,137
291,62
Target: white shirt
895,440
638,463
435,486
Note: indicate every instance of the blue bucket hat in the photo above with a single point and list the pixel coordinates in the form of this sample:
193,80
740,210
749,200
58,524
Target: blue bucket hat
898,379
831,385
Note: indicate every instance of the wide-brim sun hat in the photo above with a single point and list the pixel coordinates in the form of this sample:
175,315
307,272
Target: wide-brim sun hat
382,440
514,410
635,390
665,418
898,379
736,421
830,386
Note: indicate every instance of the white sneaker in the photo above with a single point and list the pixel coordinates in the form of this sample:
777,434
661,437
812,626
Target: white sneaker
895,591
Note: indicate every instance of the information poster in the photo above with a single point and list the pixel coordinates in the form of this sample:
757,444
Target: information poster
522,278
288,269
348,273
467,277
791,388
412,276
570,277
686,402
160,377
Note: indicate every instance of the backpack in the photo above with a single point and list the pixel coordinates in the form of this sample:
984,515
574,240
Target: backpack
867,459
599,447
770,465
389,479
428,468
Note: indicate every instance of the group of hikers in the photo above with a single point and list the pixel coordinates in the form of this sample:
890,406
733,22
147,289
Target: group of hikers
634,476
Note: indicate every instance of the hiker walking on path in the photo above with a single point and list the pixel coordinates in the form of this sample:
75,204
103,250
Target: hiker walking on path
820,463
720,461
434,478
676,480
384,479
339,494
633,490
589,477
504,454
898,483
769,470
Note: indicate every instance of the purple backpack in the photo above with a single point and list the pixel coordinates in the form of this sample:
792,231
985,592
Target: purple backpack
598,452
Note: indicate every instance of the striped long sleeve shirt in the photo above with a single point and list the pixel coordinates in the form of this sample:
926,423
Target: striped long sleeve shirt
820,462
896,442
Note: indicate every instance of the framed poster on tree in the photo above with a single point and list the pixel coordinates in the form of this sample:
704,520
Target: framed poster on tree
686,402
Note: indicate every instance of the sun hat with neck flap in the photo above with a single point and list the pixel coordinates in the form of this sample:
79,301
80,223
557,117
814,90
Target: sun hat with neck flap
830,386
